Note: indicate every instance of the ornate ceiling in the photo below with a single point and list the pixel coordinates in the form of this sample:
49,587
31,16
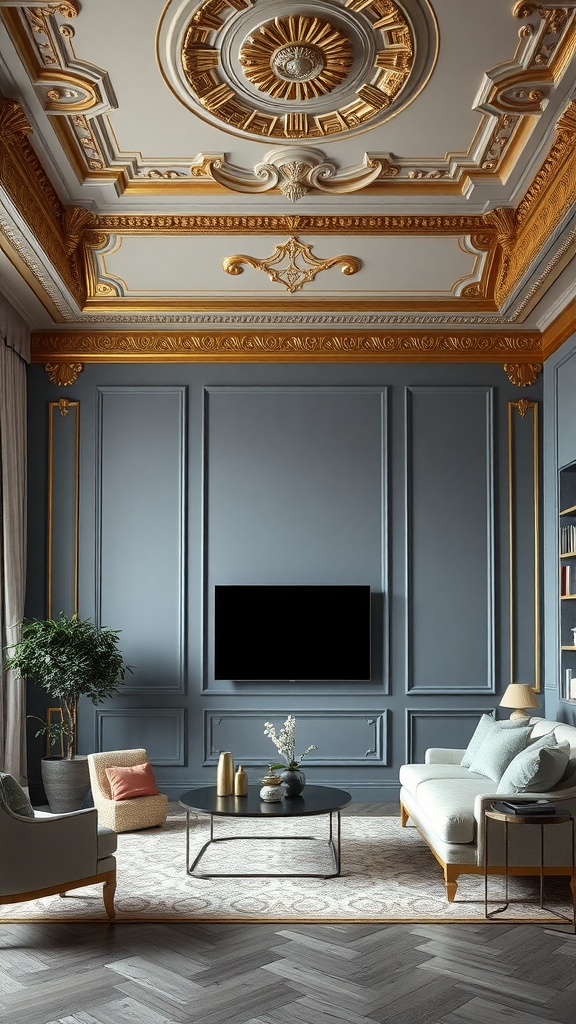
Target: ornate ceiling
264,179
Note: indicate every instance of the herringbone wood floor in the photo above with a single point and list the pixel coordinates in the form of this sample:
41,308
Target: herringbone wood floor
489,973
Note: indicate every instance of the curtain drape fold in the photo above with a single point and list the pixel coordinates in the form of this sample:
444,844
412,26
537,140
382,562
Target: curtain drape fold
14,353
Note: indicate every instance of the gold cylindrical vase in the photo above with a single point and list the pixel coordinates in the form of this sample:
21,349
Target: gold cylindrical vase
225,774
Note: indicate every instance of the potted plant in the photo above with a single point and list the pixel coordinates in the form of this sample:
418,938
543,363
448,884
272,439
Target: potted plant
69,658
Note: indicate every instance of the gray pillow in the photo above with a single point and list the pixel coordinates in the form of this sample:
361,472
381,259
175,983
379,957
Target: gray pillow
536,768
13,798
485,726
497,750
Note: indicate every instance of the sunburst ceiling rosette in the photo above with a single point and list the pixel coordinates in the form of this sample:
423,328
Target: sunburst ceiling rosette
296,58
324,68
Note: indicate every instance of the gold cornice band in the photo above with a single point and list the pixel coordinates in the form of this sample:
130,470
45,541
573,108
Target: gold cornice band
398,346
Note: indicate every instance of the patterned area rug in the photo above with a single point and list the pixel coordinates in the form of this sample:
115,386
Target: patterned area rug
388,875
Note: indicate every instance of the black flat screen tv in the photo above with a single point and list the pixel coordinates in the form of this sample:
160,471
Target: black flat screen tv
292,632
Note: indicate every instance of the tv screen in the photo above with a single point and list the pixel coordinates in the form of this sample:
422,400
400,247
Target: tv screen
291,632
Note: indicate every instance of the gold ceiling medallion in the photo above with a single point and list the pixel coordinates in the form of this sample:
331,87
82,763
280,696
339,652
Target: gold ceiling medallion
291,264
522,374
296,58
63,374
295,171
325,68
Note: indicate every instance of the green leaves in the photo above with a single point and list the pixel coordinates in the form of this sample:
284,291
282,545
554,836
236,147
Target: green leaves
69,658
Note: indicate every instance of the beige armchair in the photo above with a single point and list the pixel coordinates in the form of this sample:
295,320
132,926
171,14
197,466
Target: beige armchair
123,815
45,854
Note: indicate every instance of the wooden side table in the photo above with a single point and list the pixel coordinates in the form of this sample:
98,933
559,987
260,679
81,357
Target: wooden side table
543,821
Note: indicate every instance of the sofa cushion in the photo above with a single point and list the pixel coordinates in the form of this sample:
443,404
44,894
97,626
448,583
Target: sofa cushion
13,798
449,805
413,775
497,750
486,727
536,768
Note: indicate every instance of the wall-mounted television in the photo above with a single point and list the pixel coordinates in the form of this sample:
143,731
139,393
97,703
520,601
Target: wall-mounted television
292,632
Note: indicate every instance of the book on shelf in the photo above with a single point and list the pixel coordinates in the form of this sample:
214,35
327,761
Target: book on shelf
525,808
565,581
567,539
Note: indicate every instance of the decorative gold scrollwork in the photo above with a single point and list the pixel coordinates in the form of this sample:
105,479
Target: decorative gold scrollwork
63,374
522,374
291,264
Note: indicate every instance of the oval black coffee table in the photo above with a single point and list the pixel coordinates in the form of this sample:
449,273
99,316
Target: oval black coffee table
314,800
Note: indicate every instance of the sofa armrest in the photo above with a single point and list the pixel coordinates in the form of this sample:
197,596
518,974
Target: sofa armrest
443,755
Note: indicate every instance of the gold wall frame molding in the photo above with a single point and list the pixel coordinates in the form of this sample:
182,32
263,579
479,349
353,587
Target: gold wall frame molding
292,264
522,408
233,346
67,410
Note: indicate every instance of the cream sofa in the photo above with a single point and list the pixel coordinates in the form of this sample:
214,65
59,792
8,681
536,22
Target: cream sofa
446,802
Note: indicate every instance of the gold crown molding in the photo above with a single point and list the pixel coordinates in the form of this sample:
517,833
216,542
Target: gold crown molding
318,224
559,330
30,190
63,374
522,374
231,346
544,206
292,264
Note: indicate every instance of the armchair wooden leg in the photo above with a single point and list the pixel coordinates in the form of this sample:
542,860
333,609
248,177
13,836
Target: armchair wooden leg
403,816
108,895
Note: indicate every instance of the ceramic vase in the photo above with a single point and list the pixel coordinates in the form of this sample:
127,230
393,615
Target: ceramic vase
272,791
293,781
225,774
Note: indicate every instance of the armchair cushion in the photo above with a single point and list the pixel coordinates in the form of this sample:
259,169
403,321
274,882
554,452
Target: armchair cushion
13,798
128,783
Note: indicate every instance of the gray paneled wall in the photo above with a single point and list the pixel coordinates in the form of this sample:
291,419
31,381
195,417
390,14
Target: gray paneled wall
195,475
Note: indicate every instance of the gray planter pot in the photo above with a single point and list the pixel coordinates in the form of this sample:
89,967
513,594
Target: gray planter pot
66,782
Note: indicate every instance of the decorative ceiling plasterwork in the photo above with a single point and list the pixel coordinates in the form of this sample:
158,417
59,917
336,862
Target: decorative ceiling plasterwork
292,264
332,68
79,96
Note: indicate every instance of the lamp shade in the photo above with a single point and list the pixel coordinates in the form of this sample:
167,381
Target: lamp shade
519,696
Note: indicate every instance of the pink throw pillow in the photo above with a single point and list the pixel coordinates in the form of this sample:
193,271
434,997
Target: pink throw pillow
127,783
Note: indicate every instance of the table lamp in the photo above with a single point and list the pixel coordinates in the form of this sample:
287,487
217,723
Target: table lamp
519,696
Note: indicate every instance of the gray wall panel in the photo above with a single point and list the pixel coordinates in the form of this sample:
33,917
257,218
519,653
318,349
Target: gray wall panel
438,727
342,737
160,730
449,533
141,575
296,494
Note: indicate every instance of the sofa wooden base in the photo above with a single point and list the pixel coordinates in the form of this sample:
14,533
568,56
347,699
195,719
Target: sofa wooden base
108,878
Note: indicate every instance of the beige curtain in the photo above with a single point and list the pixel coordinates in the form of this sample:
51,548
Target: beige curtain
14,354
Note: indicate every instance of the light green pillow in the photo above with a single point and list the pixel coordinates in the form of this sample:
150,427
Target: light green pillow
485,727
498,749
537,768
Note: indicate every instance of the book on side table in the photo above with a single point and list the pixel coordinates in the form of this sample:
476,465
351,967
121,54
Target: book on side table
525,808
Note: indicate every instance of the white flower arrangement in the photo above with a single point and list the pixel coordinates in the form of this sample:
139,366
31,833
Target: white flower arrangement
285,741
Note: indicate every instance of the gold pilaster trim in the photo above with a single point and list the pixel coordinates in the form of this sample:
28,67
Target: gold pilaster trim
64,407
522,407
292,264
187,346
63,374
522,374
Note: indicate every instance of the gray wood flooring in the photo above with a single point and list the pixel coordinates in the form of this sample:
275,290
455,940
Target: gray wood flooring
488,973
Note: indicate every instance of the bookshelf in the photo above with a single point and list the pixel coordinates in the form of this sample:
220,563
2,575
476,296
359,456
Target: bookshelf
567,580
